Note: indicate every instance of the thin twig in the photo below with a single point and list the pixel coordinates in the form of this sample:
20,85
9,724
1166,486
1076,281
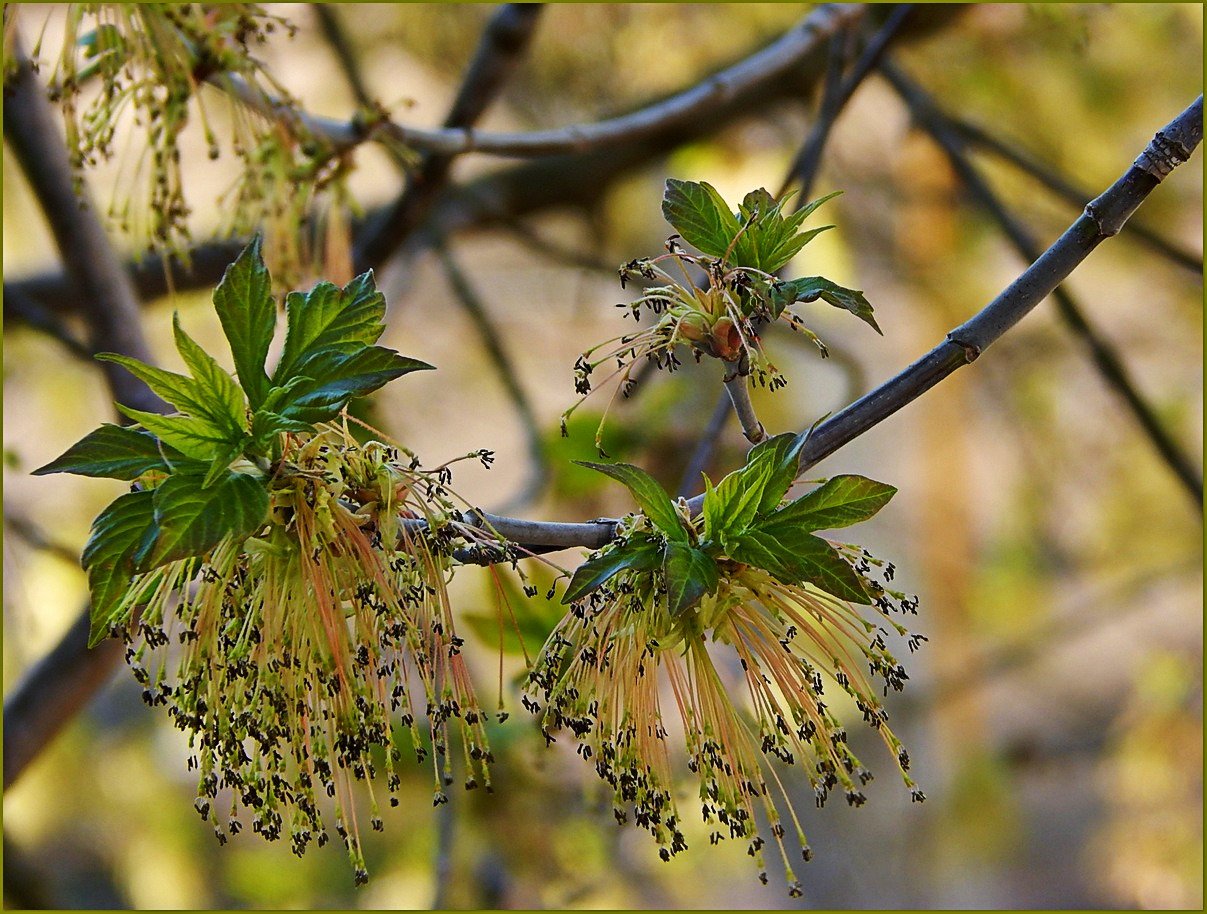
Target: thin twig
504,40
739,396
55,688
488,333
1108,361
808,160
1062,187
764,66
337,39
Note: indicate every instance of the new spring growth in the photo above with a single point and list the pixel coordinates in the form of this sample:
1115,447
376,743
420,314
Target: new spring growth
675,600
715,303
281,586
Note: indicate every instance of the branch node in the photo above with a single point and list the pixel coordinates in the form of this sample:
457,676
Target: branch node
1162,155
971,350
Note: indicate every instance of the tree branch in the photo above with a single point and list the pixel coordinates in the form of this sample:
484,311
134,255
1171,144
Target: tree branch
1110,364
805,166
1103,217
739,396
56,687
1061,187
764,66
506,37
571,181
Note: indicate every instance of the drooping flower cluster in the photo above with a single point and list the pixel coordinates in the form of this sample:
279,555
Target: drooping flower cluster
604,675
287,656
723,315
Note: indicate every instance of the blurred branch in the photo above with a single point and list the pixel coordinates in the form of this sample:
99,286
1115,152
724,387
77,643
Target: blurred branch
838,92
761,67
467,297
31,312
1061,187
36,538
701,456
337,39
1109,363
506,37
51,692
106,298
571,181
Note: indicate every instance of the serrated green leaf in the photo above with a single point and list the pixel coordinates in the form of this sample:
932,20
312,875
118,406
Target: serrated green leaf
190,435
334,375
842,501
648,494
697,212
221,399
797,557
114,452
177,389
811,288
119,533
192,519
639,554
781,455
266,425
248,314
690,575
221,463
328,316
733,504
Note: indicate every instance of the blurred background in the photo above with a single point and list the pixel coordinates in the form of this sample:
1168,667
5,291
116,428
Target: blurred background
1054,717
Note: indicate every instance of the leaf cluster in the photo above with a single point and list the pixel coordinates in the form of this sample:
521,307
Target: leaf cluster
200,472
744,522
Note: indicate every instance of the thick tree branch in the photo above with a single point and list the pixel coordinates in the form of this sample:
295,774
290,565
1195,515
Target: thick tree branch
55,688
764,66
1110,364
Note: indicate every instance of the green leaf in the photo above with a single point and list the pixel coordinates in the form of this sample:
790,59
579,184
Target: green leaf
193,437
329,316
697,212
781,456
771,239
119,533
733,504
811,288
114,452
221,463
334,375
220,397
248,314
193,518
690,575
842,501
267,425
797,557
177,389
639,554
648,494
